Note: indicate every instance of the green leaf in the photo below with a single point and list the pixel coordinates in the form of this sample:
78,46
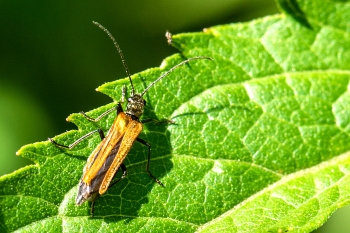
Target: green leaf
260,144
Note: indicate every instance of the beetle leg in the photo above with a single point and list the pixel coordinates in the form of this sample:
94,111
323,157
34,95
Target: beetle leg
123,167
119,109
123,93
92,211
148,160
79,140
155,121
99,117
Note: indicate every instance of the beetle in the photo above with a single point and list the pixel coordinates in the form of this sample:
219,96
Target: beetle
108,157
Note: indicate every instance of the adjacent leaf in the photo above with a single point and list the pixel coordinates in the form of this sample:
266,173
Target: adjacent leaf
260,143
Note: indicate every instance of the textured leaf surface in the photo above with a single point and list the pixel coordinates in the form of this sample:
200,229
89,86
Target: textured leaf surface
260,141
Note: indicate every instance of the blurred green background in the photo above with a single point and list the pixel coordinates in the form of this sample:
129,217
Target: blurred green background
53,58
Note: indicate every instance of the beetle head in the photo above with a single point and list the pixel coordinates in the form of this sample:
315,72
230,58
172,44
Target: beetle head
135,105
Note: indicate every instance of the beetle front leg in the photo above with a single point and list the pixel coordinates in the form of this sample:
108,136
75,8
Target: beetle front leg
119,109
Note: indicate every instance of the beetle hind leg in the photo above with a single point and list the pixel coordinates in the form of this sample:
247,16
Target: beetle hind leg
123,167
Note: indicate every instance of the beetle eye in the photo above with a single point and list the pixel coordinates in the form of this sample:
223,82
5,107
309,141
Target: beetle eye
144,102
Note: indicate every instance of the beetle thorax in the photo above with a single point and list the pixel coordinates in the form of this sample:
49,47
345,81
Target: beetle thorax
135,105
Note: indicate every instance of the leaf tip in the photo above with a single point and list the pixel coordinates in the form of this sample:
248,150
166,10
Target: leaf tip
21,152
73,117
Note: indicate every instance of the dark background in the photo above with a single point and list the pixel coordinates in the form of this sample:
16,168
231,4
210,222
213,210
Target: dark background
52,57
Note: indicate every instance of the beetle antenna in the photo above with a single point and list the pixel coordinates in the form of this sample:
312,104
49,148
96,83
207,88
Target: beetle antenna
119,51
172,69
